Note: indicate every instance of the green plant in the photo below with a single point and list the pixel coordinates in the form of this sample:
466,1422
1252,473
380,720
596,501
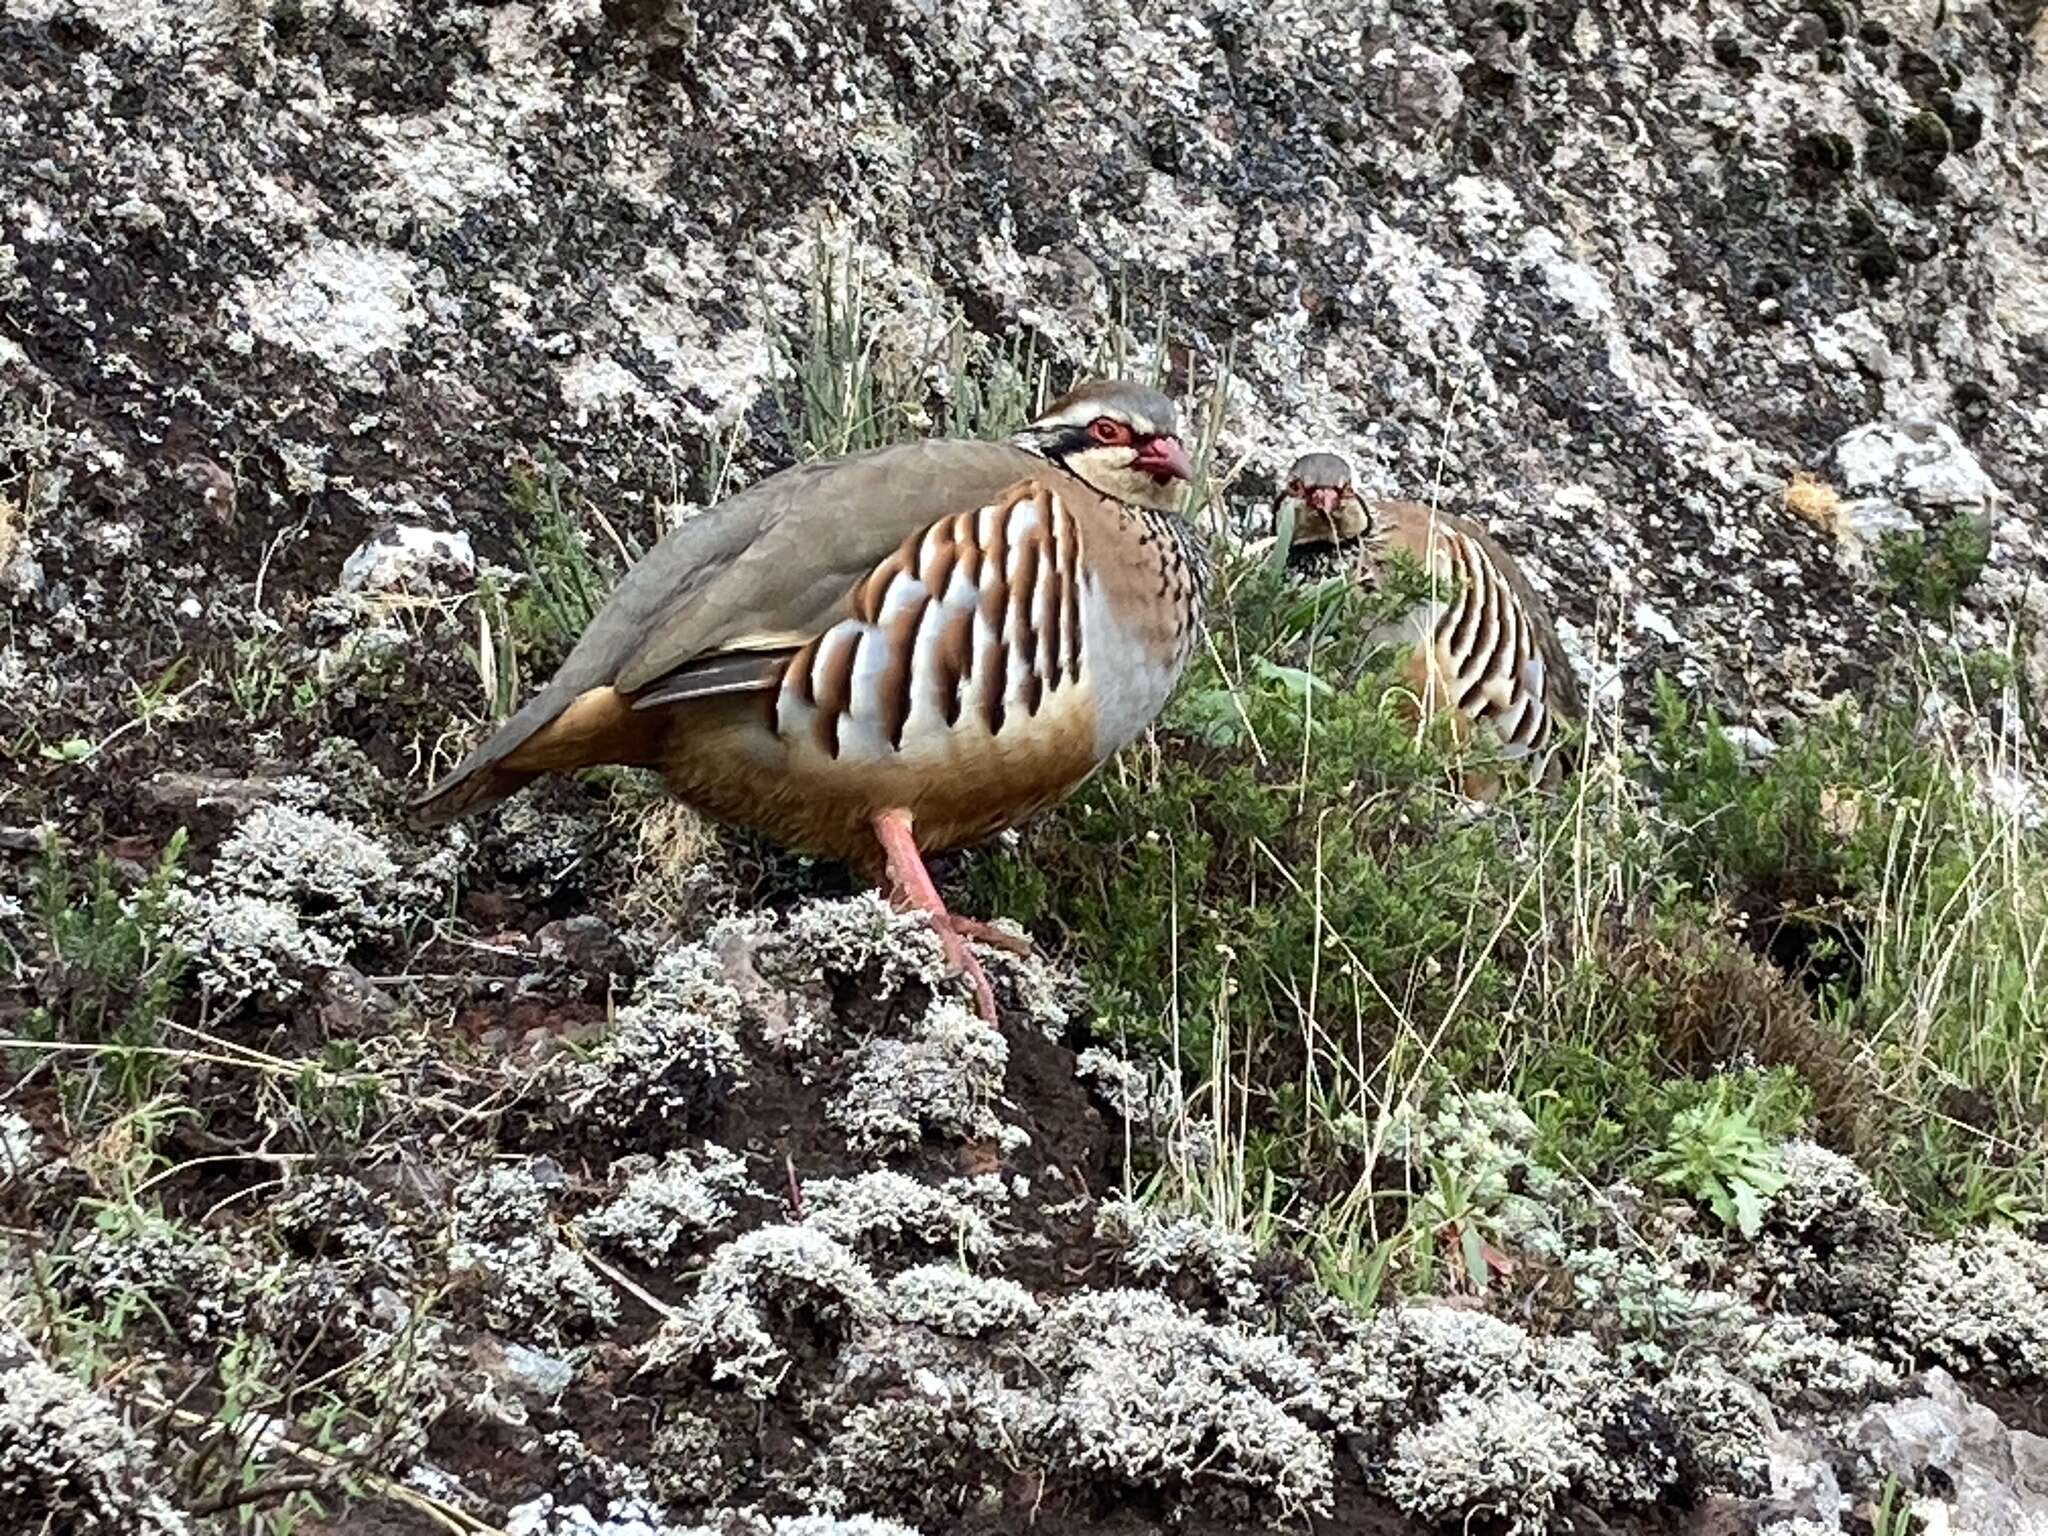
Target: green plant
337,1101
841,390
259,675
1933,570
567,577
1716,1155
1890,1515
496,652
108,968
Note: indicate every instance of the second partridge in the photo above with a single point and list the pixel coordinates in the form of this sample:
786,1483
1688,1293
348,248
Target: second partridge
1485,649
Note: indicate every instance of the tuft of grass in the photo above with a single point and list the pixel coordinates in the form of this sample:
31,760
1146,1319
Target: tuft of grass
107,969
569,573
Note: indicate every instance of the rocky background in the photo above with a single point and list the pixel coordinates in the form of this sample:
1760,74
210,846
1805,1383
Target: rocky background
1614,276
1694,305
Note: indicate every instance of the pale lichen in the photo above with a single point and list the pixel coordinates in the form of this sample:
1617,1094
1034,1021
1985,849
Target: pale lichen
882,1211
951,1300
338,880
504,1249
853,936
1154,1397
684,1196
751,1283
1503,1453
1155,1243
1979,1302
941,1081
246,946
22,1152
67,1460
673,1055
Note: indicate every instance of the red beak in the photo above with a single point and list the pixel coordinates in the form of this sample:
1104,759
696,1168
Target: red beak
1163,459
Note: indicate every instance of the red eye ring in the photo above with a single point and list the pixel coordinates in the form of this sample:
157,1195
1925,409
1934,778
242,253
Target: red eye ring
1107,430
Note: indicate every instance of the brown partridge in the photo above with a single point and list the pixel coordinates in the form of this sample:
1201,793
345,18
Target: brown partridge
1486,650
898,652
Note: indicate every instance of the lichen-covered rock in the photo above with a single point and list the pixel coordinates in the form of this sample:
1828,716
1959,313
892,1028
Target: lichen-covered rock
1978,1302
660,1204
403,558
1611,277
67,1460
1992,1479
756,1282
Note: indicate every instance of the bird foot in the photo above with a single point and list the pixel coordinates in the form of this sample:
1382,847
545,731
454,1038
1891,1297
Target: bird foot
910,886
989,934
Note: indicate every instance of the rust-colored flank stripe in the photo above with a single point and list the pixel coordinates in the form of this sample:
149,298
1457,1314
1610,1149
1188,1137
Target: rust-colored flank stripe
893,687
940,558
995,678
835,692
953,663
797,678
1051,607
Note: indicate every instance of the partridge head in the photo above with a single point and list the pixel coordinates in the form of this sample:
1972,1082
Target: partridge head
1481,645
1119,438
903,650
1319,502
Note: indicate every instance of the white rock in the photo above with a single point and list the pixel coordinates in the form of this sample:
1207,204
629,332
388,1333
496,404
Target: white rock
1853,340
1802,1478
1651,621
404,557
523,1370
1920,463
1753,743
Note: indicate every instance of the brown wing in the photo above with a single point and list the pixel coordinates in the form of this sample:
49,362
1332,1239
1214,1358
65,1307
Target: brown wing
724,599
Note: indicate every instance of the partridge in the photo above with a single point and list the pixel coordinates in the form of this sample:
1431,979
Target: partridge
893,653
1486,649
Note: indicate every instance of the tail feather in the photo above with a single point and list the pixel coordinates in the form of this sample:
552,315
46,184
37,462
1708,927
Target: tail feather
552,734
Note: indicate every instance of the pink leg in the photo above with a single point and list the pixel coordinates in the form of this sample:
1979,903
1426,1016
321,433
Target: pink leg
912,887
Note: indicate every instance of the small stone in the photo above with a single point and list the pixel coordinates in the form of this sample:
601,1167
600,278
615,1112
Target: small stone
584,943
1923,464
528,1372
403,557
135,214
1650,621
1753,744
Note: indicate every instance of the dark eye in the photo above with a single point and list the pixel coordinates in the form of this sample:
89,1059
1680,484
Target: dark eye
1105,429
